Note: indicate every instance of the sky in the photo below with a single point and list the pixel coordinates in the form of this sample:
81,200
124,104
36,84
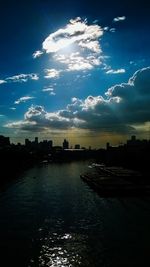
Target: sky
78,70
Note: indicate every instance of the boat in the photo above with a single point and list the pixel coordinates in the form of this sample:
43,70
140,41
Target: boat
116,181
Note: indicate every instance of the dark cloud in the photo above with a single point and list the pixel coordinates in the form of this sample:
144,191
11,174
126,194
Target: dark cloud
37,119
134,97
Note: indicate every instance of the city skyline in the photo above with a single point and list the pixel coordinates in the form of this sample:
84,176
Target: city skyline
66,145
79,70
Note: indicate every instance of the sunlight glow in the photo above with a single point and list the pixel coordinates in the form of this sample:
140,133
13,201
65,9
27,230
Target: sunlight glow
76,31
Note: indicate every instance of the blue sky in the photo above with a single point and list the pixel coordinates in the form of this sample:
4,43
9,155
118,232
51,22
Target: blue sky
74,69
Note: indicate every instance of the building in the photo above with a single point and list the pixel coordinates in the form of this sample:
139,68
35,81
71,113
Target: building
27,142
65,144
4,141
36,140
77,146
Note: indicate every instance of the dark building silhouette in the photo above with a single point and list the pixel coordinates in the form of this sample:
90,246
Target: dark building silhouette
65,144
4,141
36,141
46,145
136,143
107,145
77,146
27,142
134,154
50,144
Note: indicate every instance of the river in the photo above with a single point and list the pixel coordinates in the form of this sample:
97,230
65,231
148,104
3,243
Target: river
50,217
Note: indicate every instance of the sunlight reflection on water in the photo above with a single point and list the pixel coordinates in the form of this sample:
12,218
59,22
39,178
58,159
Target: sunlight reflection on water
61,250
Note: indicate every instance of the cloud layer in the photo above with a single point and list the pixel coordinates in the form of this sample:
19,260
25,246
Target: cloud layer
124,106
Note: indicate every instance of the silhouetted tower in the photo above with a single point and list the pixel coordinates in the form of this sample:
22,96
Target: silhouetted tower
65,144
133,138
4,141
50,144
27,142
107,145
36,140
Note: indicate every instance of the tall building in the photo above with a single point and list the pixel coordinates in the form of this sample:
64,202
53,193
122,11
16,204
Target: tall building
28,144
133,141
4,141
36,140
107,145
65,144
50,144
133,138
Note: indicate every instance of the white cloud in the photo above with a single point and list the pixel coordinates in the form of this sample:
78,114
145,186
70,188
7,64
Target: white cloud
95,21
74,99
23,99
52,93
12,108
23,77
52,73
48,89
77,62
37,53
106,67
111,71
92,45
74,44
2,81
75,32
112,30
106,28
119,18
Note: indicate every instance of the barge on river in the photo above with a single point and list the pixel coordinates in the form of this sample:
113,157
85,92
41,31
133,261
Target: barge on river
116,181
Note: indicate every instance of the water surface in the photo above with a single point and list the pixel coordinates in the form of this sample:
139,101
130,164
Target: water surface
50,217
